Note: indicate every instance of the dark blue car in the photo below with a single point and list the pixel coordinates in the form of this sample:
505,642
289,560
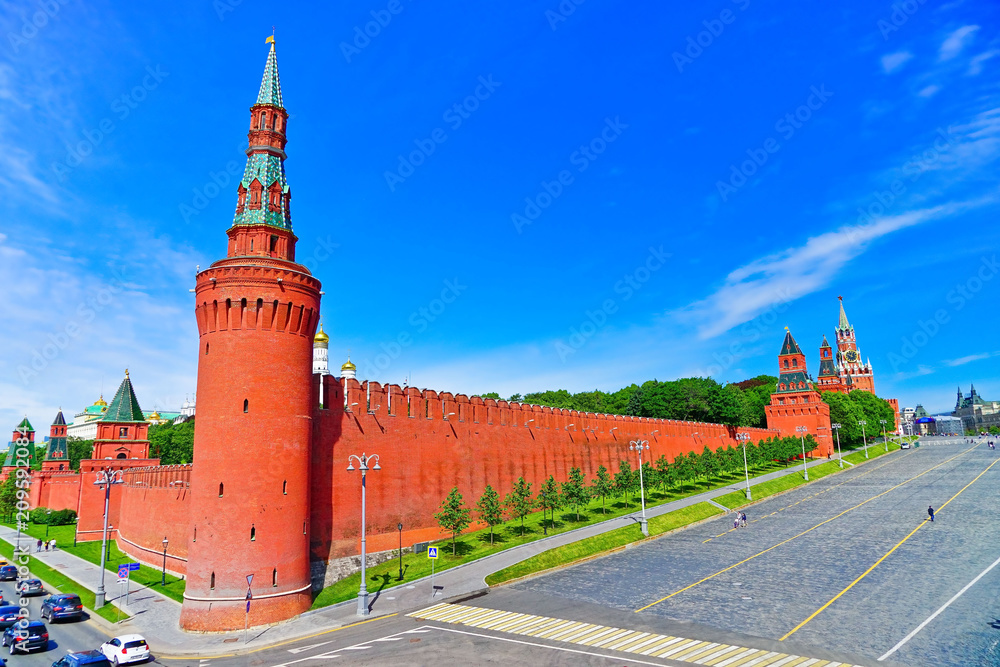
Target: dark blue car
26,636
61,606
82,659
9,614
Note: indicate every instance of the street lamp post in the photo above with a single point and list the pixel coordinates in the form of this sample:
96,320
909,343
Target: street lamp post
638,446
363,467
864,438
743,438
48,518
802,434
840,454
885,438
399,527
163,578
105,478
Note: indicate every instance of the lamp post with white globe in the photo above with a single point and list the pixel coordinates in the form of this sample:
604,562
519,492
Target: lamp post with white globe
638,446
363,462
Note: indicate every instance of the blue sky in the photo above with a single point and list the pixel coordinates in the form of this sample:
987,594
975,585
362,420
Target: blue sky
621,194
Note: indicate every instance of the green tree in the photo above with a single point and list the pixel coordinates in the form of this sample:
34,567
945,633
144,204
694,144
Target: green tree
78,450
172,443
574,490
602,486
454,517
518,501
8,496
491,394
515,398
490,509
625,480
548,496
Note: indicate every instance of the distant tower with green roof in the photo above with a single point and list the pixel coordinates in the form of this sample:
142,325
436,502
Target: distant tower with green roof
57,450
257,312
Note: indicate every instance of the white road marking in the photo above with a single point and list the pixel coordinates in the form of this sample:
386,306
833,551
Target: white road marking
306,648
938,612
554,648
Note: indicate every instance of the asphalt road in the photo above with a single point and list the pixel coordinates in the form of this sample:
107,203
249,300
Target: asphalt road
804,548
64,636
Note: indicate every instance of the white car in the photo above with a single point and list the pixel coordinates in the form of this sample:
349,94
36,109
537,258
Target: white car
125,649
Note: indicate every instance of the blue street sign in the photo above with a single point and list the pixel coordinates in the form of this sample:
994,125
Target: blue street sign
248,606
432,553
133,567
123,571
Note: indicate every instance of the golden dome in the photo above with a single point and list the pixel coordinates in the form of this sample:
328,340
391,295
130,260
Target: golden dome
155,415
348,366
101,402
321,336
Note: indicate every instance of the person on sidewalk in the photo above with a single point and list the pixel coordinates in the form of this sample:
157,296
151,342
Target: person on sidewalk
743,519
930,512
38,546
46,544
53,543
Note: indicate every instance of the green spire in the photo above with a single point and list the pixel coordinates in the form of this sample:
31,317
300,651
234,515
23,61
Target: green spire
790,346
844,324
124,407
25,426
270,86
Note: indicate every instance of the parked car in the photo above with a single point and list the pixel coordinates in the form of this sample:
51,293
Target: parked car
83,659
126,649
28,637
61,606
905,445
31,587
9,613
8,573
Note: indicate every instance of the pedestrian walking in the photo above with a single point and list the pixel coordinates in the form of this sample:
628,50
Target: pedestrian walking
46,543
743,519
930,512
38,546
736,521
53,543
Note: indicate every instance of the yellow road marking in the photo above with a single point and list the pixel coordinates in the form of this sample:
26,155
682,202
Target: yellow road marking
808,530
888,553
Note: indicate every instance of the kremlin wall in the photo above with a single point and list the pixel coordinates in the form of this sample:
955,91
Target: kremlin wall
270,494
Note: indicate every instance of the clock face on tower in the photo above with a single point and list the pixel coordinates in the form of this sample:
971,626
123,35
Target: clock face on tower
851,356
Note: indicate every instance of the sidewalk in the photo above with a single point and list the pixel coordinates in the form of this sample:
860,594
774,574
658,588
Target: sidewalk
158,618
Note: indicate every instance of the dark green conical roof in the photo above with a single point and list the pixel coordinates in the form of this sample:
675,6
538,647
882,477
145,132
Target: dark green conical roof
25,426
790,346
60,420
124,407
270,86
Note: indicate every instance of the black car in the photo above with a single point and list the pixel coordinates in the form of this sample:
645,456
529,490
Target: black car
83,659
25,636
8,573
9,613
63,605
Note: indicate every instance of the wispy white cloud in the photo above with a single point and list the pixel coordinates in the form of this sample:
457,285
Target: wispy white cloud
961,361
956,41
976,64
929,91
795,272
893,61
918,372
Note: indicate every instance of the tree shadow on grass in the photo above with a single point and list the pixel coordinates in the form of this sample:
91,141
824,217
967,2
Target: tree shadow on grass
462,548
498,537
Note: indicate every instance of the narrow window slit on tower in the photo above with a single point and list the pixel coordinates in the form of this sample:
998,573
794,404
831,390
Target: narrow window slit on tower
206,349
274,577
211,584
221,488
253,533
284,487
246,405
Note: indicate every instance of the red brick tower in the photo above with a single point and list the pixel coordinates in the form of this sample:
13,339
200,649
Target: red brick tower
828,378
57,451
796,403
257,312
855,374
22,432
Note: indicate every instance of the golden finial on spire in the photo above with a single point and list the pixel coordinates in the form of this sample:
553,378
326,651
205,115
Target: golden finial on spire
126,373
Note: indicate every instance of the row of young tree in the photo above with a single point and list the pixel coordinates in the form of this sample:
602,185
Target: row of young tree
575,493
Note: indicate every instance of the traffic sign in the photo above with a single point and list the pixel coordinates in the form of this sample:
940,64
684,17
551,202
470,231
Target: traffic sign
432,553
123,571
133,567
249,580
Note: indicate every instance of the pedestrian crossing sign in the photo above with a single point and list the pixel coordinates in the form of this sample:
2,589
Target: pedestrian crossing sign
432,553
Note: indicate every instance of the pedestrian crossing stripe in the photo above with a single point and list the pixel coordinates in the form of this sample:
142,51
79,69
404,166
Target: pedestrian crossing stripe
637,642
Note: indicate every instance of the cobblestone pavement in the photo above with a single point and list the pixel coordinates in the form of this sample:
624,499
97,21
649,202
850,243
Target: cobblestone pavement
806,546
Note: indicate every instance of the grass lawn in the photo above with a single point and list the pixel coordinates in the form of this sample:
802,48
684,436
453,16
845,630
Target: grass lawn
54,579
599,544
816,471
91,551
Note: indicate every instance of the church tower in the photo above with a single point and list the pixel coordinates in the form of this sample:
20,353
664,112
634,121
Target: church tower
796,402
828,379
257,312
